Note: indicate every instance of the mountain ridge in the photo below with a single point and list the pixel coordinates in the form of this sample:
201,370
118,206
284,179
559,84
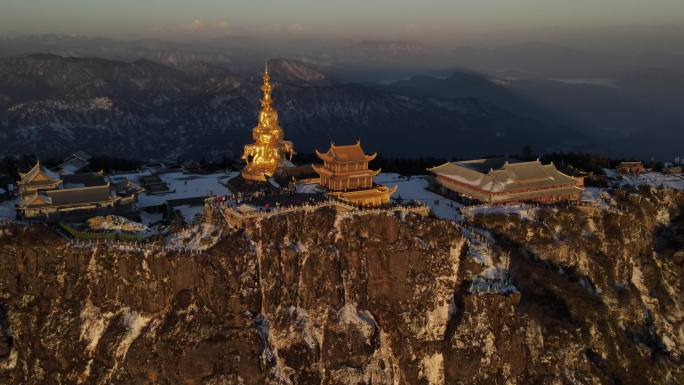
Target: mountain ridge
159,112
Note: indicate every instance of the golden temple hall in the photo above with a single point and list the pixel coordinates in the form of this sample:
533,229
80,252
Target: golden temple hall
345,174
265,157
48,195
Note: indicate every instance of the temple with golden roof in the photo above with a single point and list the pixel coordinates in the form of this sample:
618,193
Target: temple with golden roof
345,174
38,178
48,195
505,181
266,155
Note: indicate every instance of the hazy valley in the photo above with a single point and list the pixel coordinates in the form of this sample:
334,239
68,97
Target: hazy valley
184,96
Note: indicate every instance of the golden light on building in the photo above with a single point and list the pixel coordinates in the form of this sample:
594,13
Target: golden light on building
345,175
268,152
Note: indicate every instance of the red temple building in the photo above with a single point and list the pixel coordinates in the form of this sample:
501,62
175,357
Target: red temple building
502,180
626,168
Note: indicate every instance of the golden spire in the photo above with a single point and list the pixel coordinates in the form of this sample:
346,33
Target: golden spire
266,100
265,156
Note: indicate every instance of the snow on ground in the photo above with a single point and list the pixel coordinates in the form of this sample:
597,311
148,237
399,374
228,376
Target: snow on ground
308,188
183,185
480,253
7,209
592,194
654,179
413,188
478,250
115,222
611,173
524,211
598,196
189,212
198,237
150,219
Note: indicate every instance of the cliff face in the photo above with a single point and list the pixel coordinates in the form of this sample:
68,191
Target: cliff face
605,286
322,298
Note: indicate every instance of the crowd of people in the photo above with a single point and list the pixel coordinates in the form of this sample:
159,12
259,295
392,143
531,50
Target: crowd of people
268,201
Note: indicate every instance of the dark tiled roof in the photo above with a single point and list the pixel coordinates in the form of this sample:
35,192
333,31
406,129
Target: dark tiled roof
82,155
631,164
73,165
79,195
84,180
484,165
150,179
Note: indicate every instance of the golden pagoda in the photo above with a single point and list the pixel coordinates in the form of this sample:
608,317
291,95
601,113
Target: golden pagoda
345,174
266,155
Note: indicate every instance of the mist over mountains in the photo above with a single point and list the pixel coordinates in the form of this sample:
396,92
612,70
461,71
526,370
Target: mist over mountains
149,99
52,104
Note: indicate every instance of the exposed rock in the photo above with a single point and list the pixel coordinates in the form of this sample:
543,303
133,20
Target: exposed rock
327,298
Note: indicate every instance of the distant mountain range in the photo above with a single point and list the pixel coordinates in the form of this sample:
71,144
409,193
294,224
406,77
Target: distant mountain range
52,105
635,114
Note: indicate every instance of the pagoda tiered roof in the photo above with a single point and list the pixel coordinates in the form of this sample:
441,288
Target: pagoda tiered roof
345,154
39,175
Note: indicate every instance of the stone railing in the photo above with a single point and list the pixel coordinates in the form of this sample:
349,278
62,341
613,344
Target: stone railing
8,222
422,210
469,212
232,217
139,247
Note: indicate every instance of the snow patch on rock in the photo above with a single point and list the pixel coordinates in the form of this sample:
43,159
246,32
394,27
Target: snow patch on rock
436,321
199,237
311,335
93,325
11,361
134,323
432,369
362,319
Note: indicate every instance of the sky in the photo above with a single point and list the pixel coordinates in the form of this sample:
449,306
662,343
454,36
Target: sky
339,18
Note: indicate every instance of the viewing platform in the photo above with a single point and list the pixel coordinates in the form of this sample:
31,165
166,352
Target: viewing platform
236,211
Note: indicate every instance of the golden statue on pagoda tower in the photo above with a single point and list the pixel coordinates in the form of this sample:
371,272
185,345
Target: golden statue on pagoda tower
266,155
